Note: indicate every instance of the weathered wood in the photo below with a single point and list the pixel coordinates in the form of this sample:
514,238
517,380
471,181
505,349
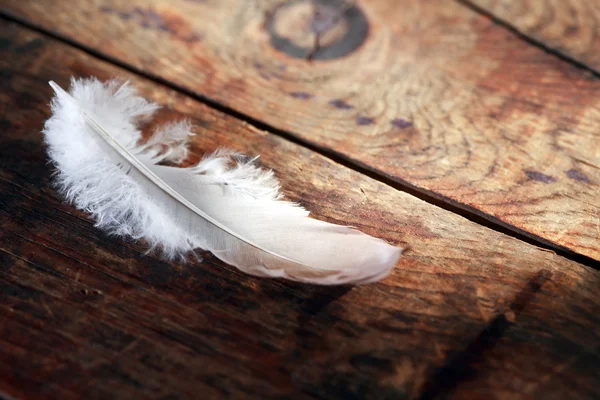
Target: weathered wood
468,311
428,93
567,26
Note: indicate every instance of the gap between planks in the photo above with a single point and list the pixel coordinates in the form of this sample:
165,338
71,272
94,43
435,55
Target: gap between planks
529,40
428,196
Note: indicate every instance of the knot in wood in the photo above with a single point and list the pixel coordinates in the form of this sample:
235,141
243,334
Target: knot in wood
317,29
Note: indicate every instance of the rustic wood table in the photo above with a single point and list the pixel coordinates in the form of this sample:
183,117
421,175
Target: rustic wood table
468,130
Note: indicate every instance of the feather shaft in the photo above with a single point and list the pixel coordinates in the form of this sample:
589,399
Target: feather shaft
234,212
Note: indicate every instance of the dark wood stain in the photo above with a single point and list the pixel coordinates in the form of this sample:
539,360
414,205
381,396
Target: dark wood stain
362,120
401,123
577,175
301,95
538,176
29,47
340,104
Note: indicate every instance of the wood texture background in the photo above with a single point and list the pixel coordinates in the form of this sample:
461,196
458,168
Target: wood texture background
469,312
569,27
437,97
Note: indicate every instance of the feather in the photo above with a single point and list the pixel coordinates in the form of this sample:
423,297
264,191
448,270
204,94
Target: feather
225,204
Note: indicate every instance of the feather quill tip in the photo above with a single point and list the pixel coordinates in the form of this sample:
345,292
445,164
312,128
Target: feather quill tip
225,204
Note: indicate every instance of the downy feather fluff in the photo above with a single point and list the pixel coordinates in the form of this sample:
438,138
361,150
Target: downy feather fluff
225,204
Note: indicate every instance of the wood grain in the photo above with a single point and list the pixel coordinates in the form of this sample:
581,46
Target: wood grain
468,311
569,27
435,96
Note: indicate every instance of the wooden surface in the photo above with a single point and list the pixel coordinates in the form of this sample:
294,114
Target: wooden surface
569,27
428,94
468,313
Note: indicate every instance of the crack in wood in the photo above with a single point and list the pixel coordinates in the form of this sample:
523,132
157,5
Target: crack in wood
460,368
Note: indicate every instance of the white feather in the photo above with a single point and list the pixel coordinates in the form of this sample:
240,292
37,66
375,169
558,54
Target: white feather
225,204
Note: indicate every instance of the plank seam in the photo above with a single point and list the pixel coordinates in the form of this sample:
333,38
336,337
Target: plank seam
428,196
528,39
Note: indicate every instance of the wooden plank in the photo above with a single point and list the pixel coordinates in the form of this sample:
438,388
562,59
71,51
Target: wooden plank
86,315
566,26
435,96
